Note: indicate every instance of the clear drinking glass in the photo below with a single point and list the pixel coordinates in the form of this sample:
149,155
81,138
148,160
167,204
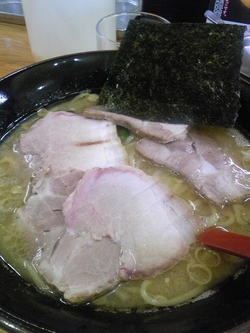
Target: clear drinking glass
128,6
110,29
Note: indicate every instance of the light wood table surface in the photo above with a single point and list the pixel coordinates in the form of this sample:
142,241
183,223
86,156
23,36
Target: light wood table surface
15,52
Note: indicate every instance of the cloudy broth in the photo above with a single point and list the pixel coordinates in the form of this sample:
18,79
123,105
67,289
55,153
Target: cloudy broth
197,273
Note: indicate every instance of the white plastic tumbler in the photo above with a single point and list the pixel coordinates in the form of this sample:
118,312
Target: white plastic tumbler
59,27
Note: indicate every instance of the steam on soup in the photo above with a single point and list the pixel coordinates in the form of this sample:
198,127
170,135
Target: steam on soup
195,274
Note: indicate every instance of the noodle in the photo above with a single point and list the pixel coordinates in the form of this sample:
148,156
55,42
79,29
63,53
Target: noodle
122,295
207,257
39,282
180,187
17,192
161,301
241,214
199,273
226,217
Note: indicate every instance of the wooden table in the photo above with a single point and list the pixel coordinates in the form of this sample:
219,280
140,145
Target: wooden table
15,51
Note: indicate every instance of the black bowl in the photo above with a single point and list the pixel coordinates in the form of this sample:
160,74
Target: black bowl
22,307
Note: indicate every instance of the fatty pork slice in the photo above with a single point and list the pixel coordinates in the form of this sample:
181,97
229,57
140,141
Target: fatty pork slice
63,141
156,131
121,224
198,158
42,215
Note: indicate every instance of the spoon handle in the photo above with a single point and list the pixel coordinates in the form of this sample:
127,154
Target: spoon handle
222,240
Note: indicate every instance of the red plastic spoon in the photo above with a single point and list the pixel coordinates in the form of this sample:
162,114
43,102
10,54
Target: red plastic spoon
222,240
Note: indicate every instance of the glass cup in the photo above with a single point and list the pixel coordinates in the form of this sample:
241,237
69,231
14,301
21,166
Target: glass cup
127,6
111,29
59,27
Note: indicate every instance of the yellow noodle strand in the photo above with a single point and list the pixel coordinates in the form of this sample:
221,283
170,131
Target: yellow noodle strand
180,187
161,301
207,257
227,218
241,214
39,282
199,273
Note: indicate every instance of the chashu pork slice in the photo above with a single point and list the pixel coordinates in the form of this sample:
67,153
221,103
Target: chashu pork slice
66,141
156,131
121,224
198,158
42,214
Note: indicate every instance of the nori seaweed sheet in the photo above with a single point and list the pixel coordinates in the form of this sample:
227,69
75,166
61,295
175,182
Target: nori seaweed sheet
177,73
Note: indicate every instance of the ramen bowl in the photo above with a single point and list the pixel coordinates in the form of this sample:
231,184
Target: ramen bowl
25,309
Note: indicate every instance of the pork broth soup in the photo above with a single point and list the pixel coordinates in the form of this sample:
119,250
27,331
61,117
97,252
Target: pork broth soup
195,274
